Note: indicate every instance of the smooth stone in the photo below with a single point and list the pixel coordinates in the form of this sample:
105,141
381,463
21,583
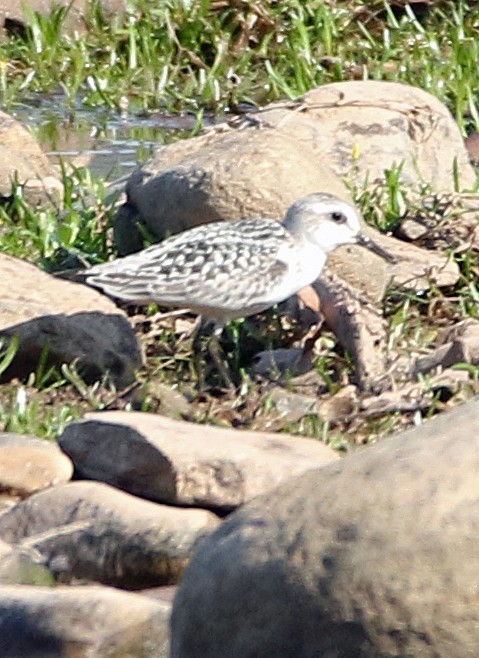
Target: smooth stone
81,622
90,531
182,463
28,464
22,160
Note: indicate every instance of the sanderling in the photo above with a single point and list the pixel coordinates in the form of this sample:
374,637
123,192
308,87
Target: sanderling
228,270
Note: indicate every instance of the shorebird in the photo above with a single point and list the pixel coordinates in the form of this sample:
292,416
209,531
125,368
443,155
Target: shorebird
228,270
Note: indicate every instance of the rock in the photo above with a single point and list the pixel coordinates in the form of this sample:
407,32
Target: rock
373,555
291,407
84,622
88,530
472,146
22,566
28,464
387,123
14,19
165,400
226,176
340,405
69,320
415,396
358,325
127,233
416,267
363,270
166,593
282,363
22,160
182,463
456,344
286,150
7,501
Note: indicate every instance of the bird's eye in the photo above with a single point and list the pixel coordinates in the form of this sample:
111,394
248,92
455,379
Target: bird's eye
338,217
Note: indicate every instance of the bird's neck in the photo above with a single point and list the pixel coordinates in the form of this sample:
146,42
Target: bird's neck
313,259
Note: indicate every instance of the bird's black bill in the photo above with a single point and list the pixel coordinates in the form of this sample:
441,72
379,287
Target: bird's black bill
364,241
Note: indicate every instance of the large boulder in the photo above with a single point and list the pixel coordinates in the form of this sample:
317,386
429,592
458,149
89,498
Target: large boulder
227,176
375,555
288,149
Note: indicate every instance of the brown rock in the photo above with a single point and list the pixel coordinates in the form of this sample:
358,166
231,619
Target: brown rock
373,555
68,320
340,405
288,149
14,19
472,146
178,462
358,325
21,159
81,622
387,123
91,531
227,176
28,464
456,344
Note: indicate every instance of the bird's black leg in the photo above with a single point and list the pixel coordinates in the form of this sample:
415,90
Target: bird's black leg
197,349
217,355
205,327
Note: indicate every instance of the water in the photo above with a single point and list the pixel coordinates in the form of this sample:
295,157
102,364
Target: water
109,144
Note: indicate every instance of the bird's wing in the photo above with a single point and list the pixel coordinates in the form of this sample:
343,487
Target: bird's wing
229,266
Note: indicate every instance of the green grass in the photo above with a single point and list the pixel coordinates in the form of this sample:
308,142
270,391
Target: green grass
74,233
177,56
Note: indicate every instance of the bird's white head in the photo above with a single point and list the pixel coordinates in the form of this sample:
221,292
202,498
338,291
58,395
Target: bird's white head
323,219
328,222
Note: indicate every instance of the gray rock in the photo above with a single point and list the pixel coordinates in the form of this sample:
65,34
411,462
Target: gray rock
28,464
88,530
68,320
183,463
84,622
375,555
